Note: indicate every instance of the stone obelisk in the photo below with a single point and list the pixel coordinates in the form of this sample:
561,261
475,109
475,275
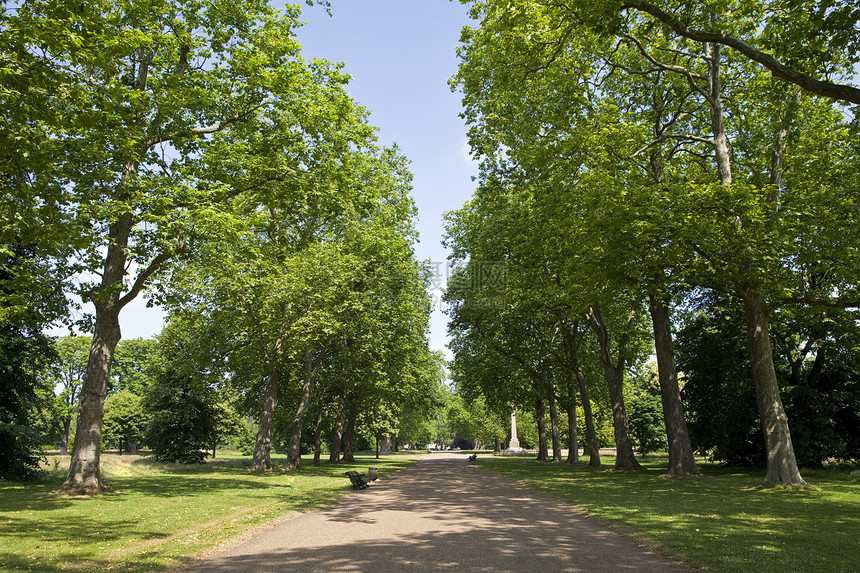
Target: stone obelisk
514,446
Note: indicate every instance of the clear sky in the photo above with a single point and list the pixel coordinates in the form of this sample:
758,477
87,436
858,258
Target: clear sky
400,54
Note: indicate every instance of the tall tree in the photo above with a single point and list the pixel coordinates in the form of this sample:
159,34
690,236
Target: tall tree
165,114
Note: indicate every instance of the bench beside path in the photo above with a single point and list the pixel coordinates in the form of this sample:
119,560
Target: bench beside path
441,514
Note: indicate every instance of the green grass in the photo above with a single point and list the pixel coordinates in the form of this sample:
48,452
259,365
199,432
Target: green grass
157,516
722,522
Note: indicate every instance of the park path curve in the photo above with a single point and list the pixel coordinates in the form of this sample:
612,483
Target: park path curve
441,514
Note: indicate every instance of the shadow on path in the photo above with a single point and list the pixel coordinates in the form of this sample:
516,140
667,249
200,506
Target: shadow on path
441,514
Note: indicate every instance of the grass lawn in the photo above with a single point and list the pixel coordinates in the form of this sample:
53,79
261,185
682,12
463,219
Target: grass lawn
159,515
722,522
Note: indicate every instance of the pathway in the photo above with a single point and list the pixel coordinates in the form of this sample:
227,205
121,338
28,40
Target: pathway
441,514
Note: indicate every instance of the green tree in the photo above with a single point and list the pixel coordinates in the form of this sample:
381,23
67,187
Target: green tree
131,365
25,354
668,132
181,403
646,410
163,115
65,377
799,41
815,379
125,421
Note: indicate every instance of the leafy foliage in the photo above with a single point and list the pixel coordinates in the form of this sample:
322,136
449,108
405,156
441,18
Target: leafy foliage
125,420
179,402
820,391
22,357
646,411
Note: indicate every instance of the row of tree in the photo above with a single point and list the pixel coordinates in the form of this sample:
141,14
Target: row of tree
187,149
662,159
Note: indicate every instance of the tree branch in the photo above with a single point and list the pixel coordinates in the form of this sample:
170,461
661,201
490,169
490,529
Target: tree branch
778,69
827,302
141,279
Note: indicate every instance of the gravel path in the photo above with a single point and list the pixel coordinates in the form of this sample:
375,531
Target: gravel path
440,514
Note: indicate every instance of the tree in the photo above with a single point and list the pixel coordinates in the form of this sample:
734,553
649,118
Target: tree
22,357
66,375
25,354
180,402
810,349
131,365
125,421
164,116
613,100
539,135
646,411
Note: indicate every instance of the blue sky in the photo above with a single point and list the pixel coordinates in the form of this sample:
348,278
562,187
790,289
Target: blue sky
400,54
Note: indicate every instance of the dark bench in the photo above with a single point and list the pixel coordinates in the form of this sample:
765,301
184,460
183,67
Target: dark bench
473,457
359,481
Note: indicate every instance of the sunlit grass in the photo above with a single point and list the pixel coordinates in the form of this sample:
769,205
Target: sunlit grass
157,515
722,522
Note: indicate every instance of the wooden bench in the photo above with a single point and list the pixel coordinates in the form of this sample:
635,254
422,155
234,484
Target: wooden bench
359,481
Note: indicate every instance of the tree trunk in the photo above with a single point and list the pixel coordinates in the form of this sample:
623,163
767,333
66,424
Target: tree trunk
571,339
84,470
64,436
592,446
497,446
294,448
625,458
262,460
543,453
318,439
337,434
722,150
349,449
681,460
553,420
781,461
614,374
572,437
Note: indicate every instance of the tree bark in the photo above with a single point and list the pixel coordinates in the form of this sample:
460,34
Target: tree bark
614,374
553,420
681,460
349,449
84,469
318,439
543,453
781,461
318,430
572,437
337,434
262,460
294,448
65,430
592,447
722,150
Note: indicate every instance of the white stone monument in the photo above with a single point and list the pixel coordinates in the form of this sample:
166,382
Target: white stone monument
514,446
